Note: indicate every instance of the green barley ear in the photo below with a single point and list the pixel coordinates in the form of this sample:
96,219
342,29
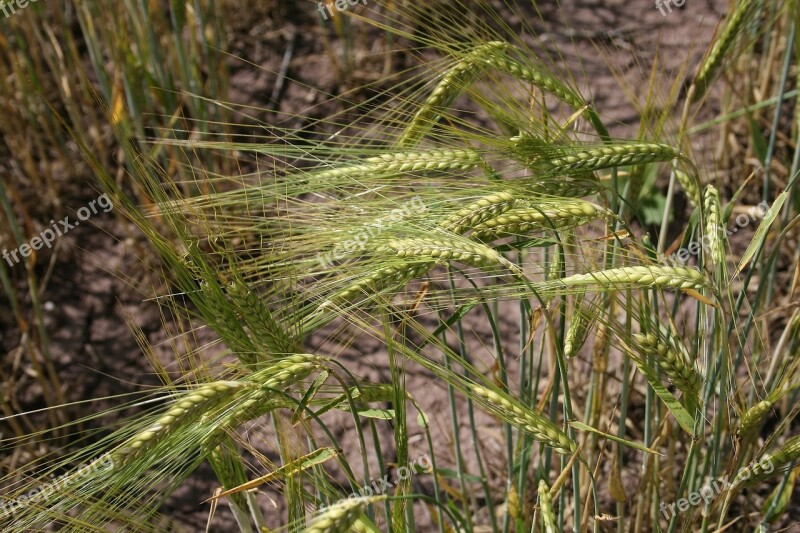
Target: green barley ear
266,332
690,186
713,228
579,160
752,418
525,419
390,278
187,408
546,507
658,277
579,327
734,26
675,363
477,212
539,215
340,517
227,465
769,465
453,83
445,249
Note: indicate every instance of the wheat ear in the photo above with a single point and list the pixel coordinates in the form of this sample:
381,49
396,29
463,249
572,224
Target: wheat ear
675,363
186,409
659,277
546,507
525,419
476,212
720,48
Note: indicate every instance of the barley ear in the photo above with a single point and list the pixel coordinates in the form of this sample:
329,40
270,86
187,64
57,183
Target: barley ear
340,517
770,464
476,212
752,418
722,45
712,210
549,523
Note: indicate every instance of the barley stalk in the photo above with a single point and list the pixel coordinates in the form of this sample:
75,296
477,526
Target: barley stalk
720,48
453,83
753,417
186,409
521,220
607,157
546,507
444,249
479,211
675,363
711,207
660,277
525,419
769,464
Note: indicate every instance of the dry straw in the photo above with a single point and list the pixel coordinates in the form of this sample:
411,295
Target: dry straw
529,421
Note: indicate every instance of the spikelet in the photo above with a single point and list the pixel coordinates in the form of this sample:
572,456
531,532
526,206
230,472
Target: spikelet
525,419
339,518
546,506
711,208
606,157
451,85
721,46
266,332
660,277
769,464
753,417
189,407
675,363
479,211
444,249
402,162
539,216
